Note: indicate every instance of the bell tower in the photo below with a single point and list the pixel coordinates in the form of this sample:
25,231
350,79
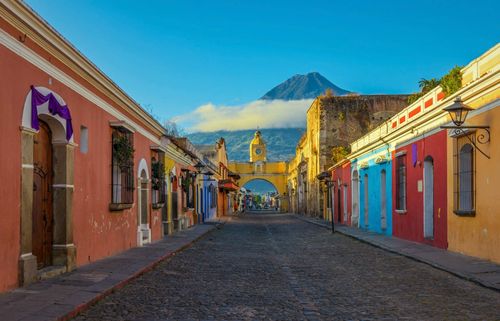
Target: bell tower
258,148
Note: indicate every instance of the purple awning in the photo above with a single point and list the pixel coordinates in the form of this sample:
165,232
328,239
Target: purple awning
37,99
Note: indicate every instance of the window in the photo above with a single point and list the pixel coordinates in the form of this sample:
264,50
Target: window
175,198
464,189
122,187
188,188
401,183
190,195
213,196
158,186
84,140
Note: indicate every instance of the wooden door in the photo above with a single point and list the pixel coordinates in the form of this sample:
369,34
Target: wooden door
42,197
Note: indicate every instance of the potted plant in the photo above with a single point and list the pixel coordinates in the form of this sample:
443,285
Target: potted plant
158,175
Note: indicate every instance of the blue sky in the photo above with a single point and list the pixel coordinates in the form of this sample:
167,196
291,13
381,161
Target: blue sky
175,56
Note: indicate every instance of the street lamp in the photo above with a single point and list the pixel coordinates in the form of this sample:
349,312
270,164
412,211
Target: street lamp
199,166
458,112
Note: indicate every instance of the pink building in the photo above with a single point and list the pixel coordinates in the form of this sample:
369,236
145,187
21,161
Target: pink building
77,154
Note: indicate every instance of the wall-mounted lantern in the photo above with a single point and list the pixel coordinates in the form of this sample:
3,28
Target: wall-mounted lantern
458,112
199,166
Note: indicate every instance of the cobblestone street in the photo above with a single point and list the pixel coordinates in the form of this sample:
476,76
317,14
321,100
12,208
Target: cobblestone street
276,267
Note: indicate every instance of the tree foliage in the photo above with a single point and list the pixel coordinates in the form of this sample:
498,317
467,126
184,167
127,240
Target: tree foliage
339,153
452,81
172,129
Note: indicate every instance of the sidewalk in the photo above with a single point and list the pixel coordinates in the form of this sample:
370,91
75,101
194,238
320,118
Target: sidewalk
64,296
483,272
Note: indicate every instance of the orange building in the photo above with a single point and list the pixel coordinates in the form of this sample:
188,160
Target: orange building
473,158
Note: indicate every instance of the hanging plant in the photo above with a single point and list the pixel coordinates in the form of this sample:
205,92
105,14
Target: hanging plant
158,175
123,151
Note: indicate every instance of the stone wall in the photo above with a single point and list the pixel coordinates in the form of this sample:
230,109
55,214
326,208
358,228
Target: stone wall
344,119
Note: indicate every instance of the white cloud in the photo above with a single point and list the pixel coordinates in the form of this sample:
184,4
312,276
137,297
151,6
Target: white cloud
259,113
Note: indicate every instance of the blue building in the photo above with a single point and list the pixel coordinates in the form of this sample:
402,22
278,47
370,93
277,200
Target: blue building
207,196
373,171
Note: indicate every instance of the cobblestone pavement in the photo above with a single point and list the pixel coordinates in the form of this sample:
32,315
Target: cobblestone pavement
276,267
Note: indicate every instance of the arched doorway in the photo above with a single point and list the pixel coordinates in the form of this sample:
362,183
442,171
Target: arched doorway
383,199
47,188
355,199
261,195
428,197
143,226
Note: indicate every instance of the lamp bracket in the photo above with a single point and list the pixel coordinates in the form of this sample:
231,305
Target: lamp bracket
482,137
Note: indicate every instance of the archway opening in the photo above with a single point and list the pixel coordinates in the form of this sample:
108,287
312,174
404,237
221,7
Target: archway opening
46,214
261,195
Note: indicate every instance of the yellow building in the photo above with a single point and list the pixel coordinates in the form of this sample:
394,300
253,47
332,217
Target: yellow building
473,177
259,168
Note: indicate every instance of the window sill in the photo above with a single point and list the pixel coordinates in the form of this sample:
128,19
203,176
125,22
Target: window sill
401,211
119,206
157,205
465,213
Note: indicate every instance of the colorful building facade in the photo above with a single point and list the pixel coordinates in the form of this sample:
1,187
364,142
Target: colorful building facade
438,180
472,174
341,205
81,155
92,174
374,172
332,121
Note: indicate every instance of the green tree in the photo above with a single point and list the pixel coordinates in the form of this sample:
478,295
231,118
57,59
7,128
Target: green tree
427,85
452,81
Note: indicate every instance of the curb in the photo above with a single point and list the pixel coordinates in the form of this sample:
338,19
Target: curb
414,258
84,306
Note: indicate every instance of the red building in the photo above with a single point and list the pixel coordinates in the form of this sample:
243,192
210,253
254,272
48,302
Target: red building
420,180
341,192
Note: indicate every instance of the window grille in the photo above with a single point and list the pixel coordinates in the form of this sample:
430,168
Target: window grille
175,198
213,196
464,177
158,184
401,183
122,167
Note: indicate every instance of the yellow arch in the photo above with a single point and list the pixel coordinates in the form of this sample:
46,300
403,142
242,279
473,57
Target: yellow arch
273,172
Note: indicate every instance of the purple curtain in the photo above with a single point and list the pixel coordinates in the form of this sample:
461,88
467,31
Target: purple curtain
37,99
